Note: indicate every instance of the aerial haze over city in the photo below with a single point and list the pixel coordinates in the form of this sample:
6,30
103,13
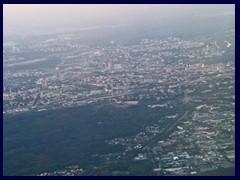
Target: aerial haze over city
118,90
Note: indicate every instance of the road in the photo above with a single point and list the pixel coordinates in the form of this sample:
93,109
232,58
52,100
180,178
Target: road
161,136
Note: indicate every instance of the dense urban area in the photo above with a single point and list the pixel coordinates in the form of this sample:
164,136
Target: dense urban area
180,92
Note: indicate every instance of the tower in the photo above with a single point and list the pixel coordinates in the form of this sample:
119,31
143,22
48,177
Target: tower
45,85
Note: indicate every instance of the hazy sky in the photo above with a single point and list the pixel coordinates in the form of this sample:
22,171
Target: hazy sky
37,12
21,16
